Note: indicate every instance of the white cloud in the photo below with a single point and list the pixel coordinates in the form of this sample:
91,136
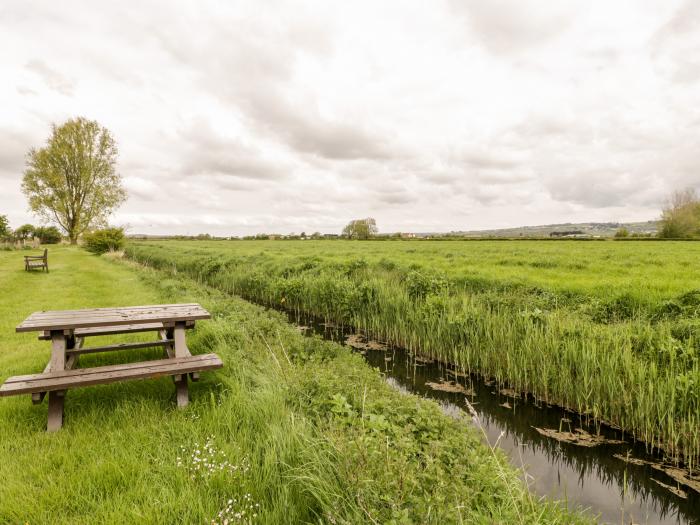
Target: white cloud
246,117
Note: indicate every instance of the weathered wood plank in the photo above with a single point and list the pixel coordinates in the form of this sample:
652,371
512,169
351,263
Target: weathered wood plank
181,392
118,308
169,349
58,351
108,374
55,416
180,344
117,330
174,313
112,310
98,311
57,320
116,347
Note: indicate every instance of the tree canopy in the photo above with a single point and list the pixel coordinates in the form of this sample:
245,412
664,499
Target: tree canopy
680,218
72,181
47,234
24,232
4,227
361,228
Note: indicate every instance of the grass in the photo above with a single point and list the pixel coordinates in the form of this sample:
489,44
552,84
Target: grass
294,429
610,329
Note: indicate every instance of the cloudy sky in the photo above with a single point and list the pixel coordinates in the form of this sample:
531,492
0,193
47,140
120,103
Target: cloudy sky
237,117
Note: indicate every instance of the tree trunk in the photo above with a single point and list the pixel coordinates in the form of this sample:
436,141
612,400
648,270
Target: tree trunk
73,239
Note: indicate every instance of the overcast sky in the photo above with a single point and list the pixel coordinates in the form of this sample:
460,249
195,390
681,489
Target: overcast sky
240,117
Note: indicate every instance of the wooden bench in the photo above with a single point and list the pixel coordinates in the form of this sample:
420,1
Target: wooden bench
80,377
68,329
32,262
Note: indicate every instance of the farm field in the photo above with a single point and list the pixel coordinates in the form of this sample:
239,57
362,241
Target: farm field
308,433
609,329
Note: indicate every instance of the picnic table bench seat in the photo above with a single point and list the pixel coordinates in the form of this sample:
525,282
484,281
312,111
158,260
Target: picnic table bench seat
81,377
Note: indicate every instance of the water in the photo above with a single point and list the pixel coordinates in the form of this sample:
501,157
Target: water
591,478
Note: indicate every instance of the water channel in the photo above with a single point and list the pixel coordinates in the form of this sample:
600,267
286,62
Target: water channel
613,490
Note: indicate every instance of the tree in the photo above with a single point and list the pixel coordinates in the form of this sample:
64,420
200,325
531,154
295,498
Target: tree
48,234
361,228
622,232
24,232
4,227
680,218
72,180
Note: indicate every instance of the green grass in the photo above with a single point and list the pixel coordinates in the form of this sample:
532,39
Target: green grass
610,329
316,435
650,271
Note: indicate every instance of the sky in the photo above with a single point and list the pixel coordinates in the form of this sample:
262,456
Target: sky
236,117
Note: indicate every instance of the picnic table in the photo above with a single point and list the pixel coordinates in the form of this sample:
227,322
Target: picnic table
68,329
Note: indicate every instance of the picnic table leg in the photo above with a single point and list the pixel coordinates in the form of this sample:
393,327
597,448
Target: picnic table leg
58,362
181,350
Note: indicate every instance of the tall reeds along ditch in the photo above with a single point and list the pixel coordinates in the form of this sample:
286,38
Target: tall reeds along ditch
635,369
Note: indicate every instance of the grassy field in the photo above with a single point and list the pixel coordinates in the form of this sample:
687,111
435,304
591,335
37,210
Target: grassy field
298,430
610,329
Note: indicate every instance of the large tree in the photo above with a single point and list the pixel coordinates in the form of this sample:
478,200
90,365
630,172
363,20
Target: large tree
361,228
72,181
681,217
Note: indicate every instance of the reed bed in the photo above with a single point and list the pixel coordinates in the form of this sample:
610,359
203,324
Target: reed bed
627,360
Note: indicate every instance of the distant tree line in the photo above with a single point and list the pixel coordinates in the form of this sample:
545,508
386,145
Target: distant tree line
27,232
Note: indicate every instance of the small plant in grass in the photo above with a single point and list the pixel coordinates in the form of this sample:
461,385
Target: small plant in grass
421,284
102,241
244,510
207,460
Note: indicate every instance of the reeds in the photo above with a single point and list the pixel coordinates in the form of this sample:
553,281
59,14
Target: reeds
632,371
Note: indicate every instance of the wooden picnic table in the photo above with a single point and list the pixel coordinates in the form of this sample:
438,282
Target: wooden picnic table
67,330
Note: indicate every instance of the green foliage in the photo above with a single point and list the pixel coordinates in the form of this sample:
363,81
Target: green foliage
4,227
47,234
622,233
72,180
105,240
361,229
24,232
681,217
606,338
324,439
419,285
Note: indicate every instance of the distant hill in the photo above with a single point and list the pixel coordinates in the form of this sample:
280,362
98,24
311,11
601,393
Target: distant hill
581,229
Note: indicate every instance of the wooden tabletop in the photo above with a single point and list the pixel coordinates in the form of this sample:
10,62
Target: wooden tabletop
70,319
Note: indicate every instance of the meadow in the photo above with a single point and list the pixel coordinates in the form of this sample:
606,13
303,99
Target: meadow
294,429
608,329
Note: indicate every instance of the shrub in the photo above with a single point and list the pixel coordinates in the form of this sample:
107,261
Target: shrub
420,285
48,234
101,241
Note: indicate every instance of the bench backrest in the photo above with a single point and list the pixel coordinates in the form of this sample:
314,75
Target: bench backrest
46,252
